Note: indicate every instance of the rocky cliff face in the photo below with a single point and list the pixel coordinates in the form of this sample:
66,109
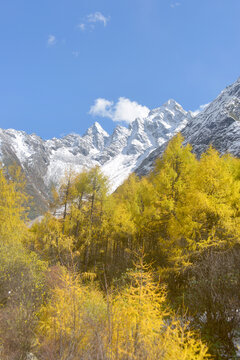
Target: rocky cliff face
217,125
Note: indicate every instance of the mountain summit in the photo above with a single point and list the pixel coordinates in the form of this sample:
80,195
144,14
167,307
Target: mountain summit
127,149
118,154
217,125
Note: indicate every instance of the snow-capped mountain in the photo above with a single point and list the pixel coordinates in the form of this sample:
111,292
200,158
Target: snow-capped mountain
46,161
217,125
127,149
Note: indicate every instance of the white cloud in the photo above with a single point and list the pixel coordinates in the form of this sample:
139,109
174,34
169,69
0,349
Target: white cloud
174,5
51,40
127,110
98,17
123,110
92,19
81,26
102,107
200,109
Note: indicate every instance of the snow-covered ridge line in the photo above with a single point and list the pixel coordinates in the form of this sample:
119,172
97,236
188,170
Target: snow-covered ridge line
46,161
126,150
218,124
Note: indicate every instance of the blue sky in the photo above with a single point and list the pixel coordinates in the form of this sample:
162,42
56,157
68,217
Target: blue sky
58,57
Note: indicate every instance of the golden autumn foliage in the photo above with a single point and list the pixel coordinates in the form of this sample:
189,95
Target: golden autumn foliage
145,328
72,321
51,242
134,324
76,289
184,209
22,290
13,202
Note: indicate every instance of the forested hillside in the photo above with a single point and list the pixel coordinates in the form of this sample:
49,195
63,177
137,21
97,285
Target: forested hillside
151,271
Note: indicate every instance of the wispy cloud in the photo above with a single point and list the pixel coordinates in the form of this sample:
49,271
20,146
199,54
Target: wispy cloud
98,17
92,19
175,4
81,26
51,40
123,110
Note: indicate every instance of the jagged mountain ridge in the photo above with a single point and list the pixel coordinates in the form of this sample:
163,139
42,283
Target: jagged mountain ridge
45,162
126,150
217,125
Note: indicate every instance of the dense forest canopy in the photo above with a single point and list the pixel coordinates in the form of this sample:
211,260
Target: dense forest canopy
151,271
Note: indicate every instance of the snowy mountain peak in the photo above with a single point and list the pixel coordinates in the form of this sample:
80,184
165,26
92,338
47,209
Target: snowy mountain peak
96,136
96,128
137,124
172,104
119,132
122,152
171,110
118,154
120,129
218,124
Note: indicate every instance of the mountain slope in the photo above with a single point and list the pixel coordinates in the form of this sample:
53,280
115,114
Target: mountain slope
126,150
45,162
217,125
